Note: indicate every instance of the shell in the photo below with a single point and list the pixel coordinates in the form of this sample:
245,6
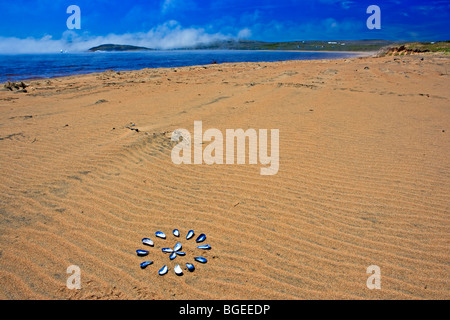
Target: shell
190,267
176,232
141,252
190,234
180,253
201,259
173,255
204,247
201,238
163,271
148,242
145,264
177,247
167,250
160,234
178,270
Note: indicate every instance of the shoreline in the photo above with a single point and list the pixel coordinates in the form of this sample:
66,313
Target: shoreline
354,54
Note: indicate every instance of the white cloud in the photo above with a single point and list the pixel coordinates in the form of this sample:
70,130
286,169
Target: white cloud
245,33
169,35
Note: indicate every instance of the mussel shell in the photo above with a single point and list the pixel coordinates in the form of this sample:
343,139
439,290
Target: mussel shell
178,270
160,234
190,267
167,250
190,234
148,242
173,255
180,253
176,232
145,264
201,238
177,247
141,252
163,271
201,259
204,247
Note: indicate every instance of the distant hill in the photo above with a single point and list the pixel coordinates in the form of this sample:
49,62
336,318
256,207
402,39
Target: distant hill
118,47
341,45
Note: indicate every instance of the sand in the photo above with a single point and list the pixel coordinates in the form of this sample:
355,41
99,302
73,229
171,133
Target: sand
364,179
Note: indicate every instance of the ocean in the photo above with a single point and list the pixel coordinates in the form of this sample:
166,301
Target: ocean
38,66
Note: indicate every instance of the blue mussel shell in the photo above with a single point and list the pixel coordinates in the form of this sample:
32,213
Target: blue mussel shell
142,252
160,234
177,247
201,259
190,234
148,242
145,264
201,238
163,271
190,267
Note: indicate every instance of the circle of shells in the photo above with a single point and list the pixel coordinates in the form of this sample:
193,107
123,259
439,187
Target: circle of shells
176,251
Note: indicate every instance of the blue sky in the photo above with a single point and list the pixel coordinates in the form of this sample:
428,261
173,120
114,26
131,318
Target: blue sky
170,23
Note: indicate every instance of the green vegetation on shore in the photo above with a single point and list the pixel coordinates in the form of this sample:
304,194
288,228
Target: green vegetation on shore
441,46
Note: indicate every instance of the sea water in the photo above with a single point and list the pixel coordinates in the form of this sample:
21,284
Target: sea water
37,66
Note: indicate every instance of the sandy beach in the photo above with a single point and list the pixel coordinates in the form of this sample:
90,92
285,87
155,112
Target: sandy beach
363,179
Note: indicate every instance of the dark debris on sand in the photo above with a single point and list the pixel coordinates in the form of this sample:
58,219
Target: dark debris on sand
18,86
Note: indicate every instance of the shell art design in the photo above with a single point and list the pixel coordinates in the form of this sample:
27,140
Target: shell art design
174,252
